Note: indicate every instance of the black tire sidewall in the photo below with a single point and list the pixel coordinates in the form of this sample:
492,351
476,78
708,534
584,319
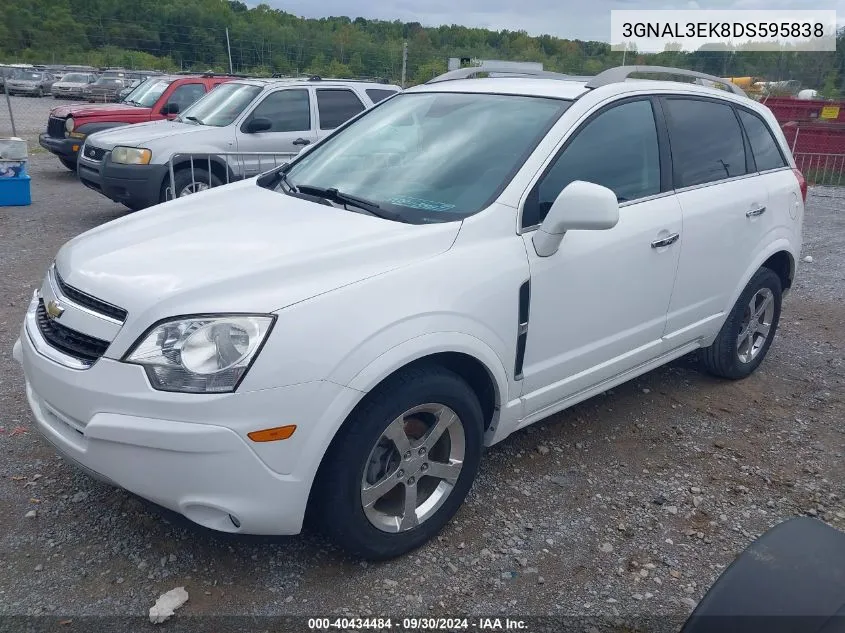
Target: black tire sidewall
182,178
763,278
341,504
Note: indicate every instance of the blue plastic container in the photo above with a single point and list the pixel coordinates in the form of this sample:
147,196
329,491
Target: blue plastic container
15,192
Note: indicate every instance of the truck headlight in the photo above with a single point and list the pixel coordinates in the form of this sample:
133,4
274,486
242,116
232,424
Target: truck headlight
131,155
69,124
203,354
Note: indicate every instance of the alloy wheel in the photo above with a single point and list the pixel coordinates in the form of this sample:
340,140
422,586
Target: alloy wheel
413,467
756,325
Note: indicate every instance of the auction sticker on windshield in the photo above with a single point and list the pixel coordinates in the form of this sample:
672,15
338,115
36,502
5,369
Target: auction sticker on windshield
417,203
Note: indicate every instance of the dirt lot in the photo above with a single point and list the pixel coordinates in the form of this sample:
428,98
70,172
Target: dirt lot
629,504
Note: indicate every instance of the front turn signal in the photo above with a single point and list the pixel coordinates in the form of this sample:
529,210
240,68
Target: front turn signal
271,435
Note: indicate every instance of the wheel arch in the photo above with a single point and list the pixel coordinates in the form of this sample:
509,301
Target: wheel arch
778,256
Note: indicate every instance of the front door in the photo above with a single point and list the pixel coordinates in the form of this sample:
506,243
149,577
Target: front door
289,113
598,306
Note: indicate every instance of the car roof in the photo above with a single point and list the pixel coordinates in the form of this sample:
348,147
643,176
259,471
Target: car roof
298,81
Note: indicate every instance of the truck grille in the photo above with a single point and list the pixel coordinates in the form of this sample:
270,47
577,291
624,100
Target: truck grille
56,127
87,301
80,346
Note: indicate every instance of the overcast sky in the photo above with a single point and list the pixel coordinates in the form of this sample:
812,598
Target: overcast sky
576,19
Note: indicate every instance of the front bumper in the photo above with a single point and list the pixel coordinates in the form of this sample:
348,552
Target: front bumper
66,93
186,452
65,147
24,90
136,186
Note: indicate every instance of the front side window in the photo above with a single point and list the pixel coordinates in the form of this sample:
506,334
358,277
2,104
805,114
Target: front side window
617,149
430,156
185,95
337,107
221,106
706,141
763,144
287,110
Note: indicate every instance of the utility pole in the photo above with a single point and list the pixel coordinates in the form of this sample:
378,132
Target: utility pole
229,48
404,63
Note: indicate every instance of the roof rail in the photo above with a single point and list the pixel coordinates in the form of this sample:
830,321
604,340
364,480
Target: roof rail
621,73
464,73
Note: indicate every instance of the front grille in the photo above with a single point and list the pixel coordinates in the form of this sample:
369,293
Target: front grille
87,301
94,153
80,346
56,127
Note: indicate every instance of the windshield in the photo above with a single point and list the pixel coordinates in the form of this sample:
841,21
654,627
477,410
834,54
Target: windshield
77,78
222,105
430,157
108,81
148,92
24,75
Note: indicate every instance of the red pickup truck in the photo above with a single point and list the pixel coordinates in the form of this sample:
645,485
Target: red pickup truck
159,97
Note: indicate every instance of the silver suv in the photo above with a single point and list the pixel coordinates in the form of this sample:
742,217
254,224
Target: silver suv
221,137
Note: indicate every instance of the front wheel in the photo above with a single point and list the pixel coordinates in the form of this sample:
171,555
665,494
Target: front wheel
187,182
748,331
70,164
401,465
41,92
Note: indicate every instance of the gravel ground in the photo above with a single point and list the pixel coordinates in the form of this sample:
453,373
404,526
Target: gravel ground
629,504
30,114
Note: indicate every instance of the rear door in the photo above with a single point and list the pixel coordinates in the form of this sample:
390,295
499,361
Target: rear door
291,128
335,106
723,203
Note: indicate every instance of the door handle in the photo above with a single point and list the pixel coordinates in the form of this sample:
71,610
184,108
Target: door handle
301,141
759,210
666,241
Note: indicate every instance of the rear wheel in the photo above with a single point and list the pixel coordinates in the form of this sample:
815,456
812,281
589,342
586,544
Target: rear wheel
70,164
401,465
747,334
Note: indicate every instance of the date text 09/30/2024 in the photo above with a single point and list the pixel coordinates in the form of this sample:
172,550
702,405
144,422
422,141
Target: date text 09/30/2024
417,624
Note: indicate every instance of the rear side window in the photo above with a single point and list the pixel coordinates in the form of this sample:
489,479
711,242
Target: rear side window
379,94
763,144
336,107
706,141
617,149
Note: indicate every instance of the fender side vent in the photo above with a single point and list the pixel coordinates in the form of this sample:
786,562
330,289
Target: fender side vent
522,331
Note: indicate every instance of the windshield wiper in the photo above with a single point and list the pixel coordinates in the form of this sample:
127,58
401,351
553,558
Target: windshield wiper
191,118
334,195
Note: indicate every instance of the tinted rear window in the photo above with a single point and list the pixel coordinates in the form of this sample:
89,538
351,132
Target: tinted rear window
336,107
763,144
706,141
379,94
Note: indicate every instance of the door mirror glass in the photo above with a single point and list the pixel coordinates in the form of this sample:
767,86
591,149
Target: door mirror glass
259,124
170,108
580,206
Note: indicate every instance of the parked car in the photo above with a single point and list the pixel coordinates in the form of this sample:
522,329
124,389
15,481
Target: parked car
72,85
344,334
247,115
105,89
157,98
34,83
128,90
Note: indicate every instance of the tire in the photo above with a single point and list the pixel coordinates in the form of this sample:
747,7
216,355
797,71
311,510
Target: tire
182,179
40,92
733,357
70,164
358,450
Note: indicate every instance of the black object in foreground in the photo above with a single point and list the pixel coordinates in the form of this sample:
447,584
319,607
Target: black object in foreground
790,580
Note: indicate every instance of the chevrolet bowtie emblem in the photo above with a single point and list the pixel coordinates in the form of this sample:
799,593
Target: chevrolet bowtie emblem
54,310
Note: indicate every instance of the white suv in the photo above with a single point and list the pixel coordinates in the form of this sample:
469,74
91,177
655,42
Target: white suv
340,337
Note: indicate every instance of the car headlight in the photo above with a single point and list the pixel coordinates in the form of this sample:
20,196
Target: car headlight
203,354
69,124
131,155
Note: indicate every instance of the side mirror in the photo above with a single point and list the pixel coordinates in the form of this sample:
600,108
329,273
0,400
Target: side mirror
580,206
170,108
259,125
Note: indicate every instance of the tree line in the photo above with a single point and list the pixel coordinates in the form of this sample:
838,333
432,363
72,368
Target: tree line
191,35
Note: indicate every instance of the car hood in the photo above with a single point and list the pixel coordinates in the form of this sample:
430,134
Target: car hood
97,110
142,134
239,248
